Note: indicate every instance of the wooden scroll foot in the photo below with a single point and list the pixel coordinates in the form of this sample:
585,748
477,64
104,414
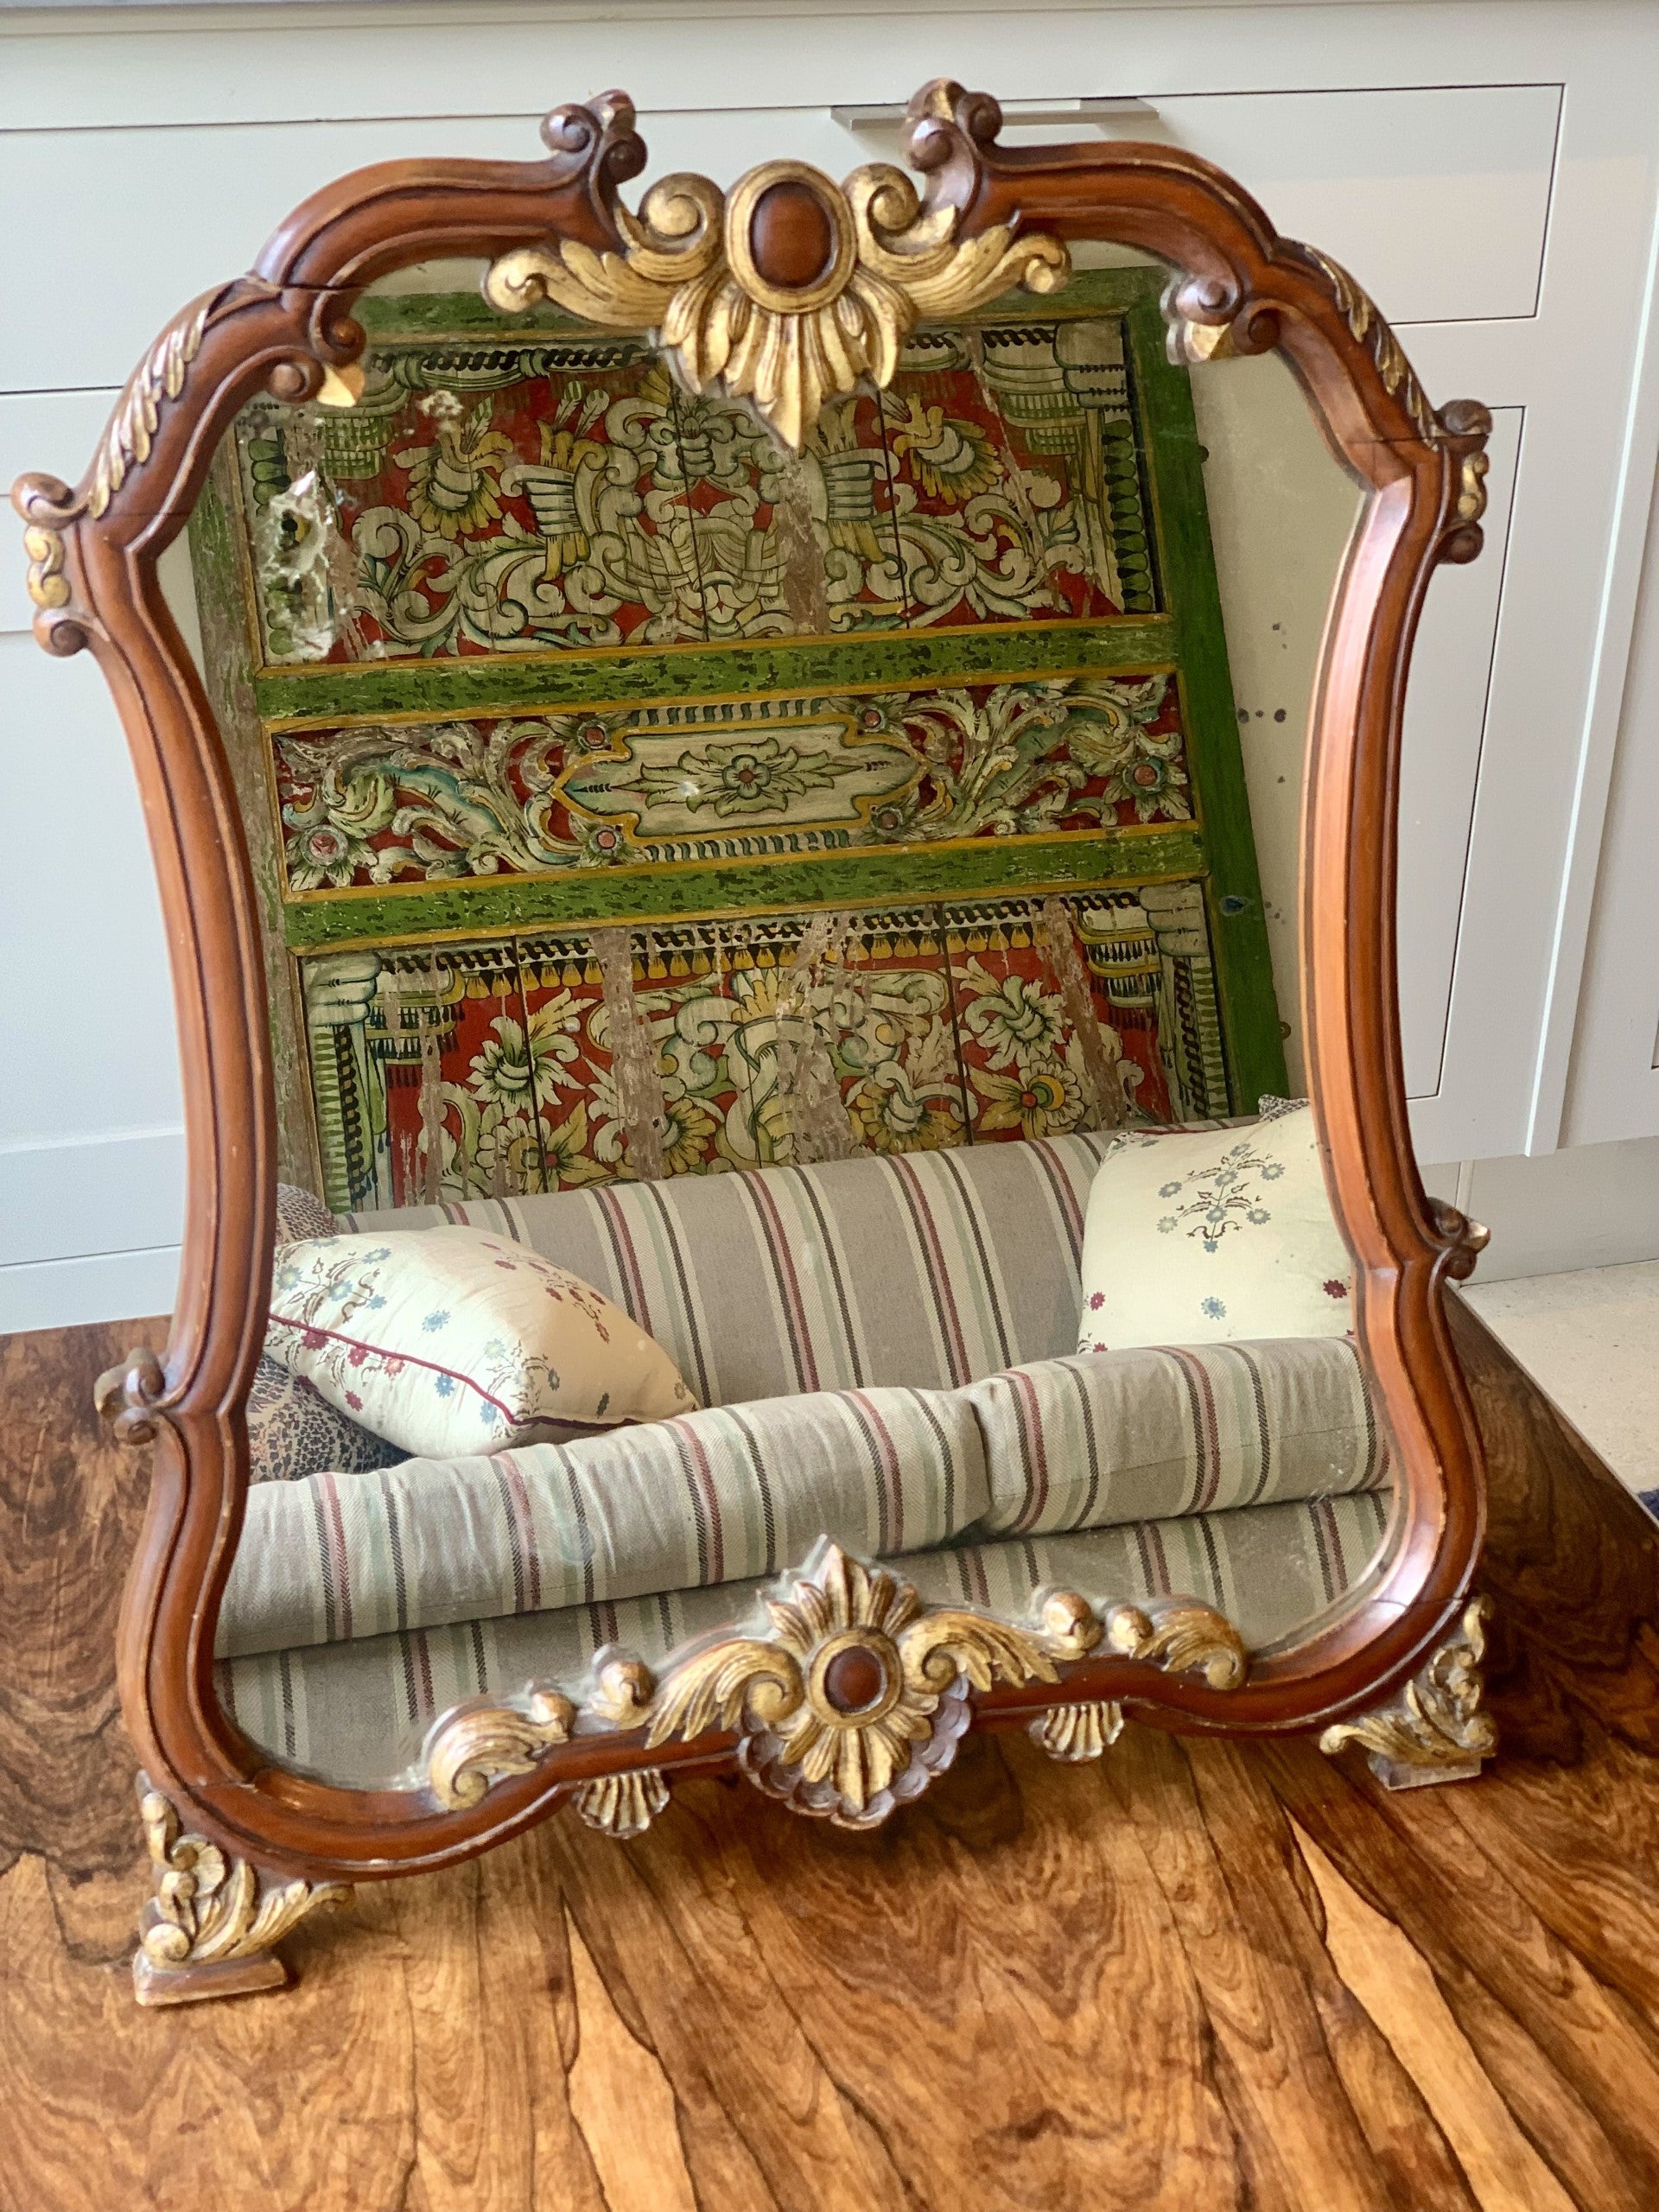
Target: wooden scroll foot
212,1928
1434,1730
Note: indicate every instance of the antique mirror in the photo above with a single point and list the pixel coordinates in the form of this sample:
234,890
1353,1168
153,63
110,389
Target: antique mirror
753,753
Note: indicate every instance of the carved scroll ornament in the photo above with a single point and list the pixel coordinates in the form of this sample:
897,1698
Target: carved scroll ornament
847,1703
1436,1721
211,1910
787,292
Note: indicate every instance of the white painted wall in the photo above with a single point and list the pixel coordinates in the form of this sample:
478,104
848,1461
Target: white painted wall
1487,168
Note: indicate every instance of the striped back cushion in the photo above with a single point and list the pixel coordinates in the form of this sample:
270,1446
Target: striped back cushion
723,1495
929,1268
1151,1434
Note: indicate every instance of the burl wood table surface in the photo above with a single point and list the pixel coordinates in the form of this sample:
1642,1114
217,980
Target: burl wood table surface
1189,1977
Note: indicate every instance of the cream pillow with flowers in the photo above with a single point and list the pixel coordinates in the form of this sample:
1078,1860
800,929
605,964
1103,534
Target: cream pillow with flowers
451,1342
1206,1237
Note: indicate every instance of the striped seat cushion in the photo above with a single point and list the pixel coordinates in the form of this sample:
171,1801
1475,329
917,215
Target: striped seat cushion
928,1268
1105,1437
736,1491
358,1712
713,1497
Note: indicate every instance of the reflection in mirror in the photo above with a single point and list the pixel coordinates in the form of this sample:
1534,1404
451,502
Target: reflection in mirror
633,803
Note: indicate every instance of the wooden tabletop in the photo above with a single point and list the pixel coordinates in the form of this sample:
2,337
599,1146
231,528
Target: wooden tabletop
1189,1979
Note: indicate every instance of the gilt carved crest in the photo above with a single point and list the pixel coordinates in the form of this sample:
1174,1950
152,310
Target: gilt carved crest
788,291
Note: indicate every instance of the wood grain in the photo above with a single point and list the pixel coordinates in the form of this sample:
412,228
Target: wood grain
1197,1977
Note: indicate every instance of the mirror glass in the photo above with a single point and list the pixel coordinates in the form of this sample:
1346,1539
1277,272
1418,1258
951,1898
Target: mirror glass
634,803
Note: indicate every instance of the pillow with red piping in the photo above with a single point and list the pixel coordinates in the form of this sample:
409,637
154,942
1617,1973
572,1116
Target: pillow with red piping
454,1341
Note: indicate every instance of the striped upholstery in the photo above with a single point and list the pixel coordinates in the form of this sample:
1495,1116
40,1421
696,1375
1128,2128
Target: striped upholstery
1106,1437
718,1496
736,1491
358,1712
884,1351
929,1268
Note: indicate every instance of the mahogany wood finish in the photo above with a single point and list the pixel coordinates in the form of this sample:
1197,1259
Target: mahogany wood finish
288,328
790,236
1192,1976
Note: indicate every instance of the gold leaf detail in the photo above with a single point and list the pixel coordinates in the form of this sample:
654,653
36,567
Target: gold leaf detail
47,585
857,1696
1471,486
1436,1720
1183,1638
1074,1733
671,243
688,274
623,1805
209,1907
158,378
735,1684
1070,1624
622,1696
472,1745
1365,322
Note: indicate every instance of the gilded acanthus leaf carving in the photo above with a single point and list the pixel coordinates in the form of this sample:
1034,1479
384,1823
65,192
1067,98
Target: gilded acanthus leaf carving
736,311
1436,1720
473,1744
211,1908
847,1702
158,378
1182,1636
858,1695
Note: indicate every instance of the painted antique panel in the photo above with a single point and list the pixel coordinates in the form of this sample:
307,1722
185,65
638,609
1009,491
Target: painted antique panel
641,797
775,1038
562,494
479,499
421,1072
727,779
1015,478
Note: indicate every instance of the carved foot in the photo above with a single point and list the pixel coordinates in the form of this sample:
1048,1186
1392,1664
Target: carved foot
211,1926
1434,1730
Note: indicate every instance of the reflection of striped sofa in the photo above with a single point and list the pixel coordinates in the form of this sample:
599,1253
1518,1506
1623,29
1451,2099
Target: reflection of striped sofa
884,1351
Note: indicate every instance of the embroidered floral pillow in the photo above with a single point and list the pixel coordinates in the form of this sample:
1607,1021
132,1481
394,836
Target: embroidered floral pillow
451,1341
1225,1234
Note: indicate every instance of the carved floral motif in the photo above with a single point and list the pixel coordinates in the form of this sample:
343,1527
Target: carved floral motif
856,1694
648,785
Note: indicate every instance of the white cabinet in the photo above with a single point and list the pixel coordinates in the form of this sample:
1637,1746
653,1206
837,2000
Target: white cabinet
1486,168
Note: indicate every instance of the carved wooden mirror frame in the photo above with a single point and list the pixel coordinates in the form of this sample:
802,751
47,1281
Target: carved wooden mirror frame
788,291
